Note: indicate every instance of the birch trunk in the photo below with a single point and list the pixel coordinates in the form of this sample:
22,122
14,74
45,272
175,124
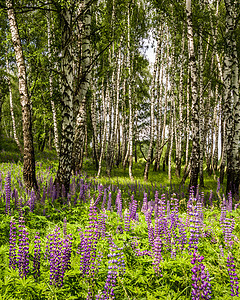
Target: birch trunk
29,174
195,106
201,108
148,162
104,131
231,99
130,102
178,136
11,107
80,135
66,147
55,127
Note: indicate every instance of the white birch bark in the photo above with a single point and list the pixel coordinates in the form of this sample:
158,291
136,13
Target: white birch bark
29,174
55,127
11,107
195,100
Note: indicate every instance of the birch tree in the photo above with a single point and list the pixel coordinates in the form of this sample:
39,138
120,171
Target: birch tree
29,174
195,100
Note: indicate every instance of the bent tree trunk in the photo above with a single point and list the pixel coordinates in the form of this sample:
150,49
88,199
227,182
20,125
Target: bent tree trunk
29,174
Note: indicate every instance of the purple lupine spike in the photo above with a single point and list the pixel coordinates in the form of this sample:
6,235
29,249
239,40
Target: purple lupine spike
116,267
8,193
23,250
182,235
109,204
102,224
228,226
12,244
157,248
194,230
37,256
119,204
127,220
150,234
201,287
233,275
133,208
100,193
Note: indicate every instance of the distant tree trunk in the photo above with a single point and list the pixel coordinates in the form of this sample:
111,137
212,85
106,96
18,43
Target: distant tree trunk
124,129
163,128
159,113
171,132
11,108
178,136
148,162
201,108
55,127
216,131
187,122
195,106
29,174
130,102
94,125
102,149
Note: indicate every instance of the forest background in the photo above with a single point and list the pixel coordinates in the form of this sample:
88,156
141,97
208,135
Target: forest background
75,78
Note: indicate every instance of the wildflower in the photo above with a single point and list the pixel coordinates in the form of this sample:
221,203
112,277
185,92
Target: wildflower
233,275
12,246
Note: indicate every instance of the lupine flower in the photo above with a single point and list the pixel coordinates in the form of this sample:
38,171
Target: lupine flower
145,204
8,193
116,267
133,208
100,193
12,244
109,204
23,250
194,231
233,276
157,249
127,220
229,207
102,224
119,203
37,256
201,287
227,232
